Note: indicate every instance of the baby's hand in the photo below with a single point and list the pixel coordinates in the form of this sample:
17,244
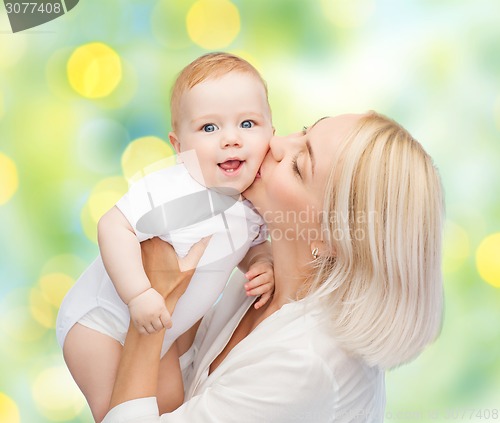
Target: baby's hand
149,313
261,281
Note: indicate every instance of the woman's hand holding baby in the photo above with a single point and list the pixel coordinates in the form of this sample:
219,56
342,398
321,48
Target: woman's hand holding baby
169,276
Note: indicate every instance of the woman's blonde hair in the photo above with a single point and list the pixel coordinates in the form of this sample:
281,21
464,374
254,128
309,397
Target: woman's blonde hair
384,208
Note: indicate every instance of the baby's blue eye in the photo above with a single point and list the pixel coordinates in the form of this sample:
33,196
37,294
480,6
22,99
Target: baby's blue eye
209,127
247,124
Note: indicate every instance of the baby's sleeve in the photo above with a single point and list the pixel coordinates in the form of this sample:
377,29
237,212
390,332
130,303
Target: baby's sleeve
138,201
262,235
257,224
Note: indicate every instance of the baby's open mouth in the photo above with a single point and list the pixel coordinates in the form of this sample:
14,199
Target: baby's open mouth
231,166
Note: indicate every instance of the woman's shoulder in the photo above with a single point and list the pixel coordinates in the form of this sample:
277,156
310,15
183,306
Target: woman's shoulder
301,329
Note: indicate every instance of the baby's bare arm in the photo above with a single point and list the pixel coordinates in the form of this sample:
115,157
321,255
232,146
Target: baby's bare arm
121,254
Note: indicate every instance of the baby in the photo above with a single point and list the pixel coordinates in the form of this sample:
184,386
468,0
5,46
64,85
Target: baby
221,123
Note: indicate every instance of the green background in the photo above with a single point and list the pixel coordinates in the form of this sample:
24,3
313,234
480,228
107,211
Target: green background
434,66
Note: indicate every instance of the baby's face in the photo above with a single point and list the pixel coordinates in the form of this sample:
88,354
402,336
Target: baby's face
224,131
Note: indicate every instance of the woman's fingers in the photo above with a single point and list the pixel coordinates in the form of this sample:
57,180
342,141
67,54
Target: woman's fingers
160,256
190,261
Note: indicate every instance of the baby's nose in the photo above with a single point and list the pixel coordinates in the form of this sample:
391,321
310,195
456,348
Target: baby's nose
230,139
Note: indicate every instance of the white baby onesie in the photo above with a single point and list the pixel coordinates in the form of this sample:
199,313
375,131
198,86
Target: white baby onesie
170,204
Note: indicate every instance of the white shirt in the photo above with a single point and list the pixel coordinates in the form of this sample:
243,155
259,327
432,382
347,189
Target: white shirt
288,369
170,204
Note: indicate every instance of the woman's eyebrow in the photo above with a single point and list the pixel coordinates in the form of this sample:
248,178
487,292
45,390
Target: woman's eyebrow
319,120
309,148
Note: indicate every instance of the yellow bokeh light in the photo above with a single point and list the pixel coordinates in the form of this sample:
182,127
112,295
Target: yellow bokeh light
9,412
101,202
213,24
55,286
105,195
488,259
348,13
41,310
94,70
248,57
456,247
56,395
67,264
9,181
145,155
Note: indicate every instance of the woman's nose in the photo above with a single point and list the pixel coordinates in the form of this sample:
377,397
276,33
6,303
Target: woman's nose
280,146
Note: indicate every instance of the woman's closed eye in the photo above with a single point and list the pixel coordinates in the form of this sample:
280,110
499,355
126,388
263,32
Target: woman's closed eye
209,127
295,166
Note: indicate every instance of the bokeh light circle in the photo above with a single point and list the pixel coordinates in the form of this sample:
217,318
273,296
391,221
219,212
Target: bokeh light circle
488,259
9,412
56,394
103,196
94,70
54,287
41,310
213,24
348,13
141,156
9,180
67,264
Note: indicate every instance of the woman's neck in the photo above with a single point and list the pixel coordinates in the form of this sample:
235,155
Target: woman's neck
292,267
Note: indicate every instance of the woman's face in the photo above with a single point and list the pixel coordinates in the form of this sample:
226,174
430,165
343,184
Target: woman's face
293,176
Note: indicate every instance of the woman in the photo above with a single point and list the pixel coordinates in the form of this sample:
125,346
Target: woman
354,208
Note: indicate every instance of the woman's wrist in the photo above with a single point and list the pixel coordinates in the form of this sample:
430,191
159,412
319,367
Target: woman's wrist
180,286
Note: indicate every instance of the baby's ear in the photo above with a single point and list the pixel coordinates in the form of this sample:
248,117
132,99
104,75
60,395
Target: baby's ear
174,142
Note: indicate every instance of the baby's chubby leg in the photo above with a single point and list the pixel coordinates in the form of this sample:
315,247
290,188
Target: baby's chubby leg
92,359
170,387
